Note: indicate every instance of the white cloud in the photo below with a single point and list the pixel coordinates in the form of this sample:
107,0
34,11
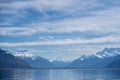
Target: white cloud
16,31
8,11
66,6
107,39
46,38
103,22
4,23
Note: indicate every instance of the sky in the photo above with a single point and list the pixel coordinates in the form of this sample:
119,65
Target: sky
63,29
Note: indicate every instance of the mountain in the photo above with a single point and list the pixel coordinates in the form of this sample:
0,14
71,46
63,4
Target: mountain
103,59
60,64
39,62
34,61
85,63
9,61
115,62
109,57
108,52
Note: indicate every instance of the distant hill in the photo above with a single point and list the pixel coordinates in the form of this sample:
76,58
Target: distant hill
9,61
60,64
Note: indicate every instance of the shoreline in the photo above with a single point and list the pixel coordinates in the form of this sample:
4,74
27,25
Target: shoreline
61,68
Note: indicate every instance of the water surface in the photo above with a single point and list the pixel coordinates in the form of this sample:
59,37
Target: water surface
59,74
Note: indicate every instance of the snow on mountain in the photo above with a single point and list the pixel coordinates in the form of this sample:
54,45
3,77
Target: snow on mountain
100,59
7,60
108,52
24,54
59,59
83,57
34,61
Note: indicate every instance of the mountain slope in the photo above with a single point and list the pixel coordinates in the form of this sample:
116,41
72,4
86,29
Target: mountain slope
86,63
10,61
108,52
38,62
115,63
34,61
109,57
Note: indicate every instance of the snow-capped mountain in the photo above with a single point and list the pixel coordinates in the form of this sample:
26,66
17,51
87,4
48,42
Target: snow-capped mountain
24,54
104,58
58,63
83,57
34,61
108,52
99,60
7,60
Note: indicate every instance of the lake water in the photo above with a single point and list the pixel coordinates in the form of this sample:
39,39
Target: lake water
59,74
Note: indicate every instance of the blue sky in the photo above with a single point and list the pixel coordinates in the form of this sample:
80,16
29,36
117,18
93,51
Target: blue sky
59,28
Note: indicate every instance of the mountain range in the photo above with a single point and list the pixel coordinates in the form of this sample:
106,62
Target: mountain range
107,58
102,59
34,61
7,60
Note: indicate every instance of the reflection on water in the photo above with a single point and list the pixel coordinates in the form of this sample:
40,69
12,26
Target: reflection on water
59,74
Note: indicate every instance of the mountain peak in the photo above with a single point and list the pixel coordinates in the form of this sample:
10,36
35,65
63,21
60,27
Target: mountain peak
108,52
24,54
83,57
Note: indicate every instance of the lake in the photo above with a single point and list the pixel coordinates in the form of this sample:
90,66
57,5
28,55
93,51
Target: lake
60,74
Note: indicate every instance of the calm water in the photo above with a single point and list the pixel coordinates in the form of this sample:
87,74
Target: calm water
59,74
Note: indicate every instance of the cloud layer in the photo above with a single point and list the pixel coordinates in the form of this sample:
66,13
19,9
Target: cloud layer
108,39
48,24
